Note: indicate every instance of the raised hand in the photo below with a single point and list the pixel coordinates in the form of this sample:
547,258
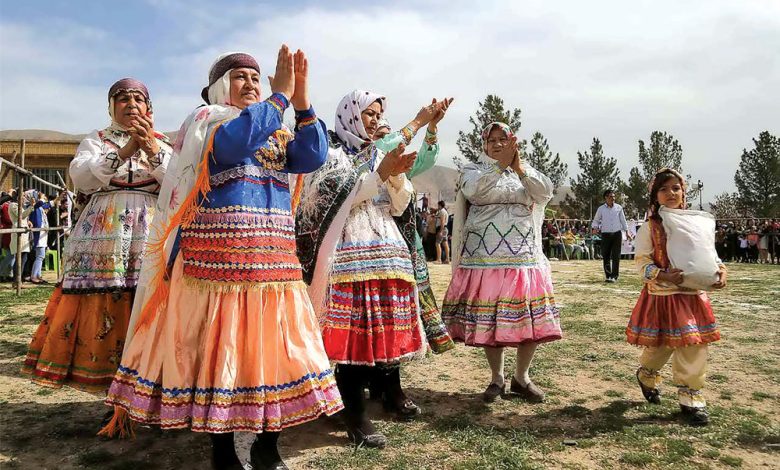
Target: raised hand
508,154
441,111
300,99
395,163
283,80
142,131
425,114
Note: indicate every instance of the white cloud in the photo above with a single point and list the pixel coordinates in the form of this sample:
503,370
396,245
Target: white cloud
704,71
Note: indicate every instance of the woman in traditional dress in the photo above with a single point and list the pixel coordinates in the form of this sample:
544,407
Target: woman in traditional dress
357,262
224,337
501,293
80,339
439,340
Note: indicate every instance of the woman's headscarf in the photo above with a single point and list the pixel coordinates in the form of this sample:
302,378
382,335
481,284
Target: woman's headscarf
349,125
218,89
489,128
654,204
123,86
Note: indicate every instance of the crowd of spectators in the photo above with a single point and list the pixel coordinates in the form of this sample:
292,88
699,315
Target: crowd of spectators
748,240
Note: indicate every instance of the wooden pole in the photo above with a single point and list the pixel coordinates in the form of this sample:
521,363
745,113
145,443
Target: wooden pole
7,171
20,201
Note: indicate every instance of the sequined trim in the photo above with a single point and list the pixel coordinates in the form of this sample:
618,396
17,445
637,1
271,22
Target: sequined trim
244,171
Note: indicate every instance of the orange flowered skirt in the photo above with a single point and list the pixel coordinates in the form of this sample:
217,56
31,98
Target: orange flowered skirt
240,360
672,320
79,342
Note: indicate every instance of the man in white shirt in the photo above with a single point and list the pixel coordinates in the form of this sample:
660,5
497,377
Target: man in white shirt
611,221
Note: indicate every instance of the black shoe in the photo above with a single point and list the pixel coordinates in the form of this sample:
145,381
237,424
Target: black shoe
361,439
695,416
405,409
264,453
223,452
530,392
652,395
492,392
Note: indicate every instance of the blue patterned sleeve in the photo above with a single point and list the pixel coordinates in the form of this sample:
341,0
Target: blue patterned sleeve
309,149
239,139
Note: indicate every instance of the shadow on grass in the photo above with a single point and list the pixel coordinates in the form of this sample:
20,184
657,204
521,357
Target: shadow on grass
459,411
64,435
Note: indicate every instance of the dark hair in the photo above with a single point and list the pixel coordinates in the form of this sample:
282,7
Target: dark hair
659,181
608,192
441,204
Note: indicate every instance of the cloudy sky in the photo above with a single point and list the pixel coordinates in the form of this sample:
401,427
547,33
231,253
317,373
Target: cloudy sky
706,71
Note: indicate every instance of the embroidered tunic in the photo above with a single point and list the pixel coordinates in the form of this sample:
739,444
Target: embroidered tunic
244,232
504,223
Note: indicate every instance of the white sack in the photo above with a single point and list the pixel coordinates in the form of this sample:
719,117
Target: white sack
690,245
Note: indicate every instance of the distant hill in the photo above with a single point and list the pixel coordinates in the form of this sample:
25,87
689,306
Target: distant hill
439,182
39,134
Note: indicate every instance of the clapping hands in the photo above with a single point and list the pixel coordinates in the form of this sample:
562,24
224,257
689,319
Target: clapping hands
291,77
396,163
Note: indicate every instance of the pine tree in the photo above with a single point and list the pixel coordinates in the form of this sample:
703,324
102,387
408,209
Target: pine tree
664,152
727,205
758,176
490,110
597,174
635,194
541,158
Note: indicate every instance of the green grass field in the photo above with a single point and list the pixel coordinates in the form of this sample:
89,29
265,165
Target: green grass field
594,415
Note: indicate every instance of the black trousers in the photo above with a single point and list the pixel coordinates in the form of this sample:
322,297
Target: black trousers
611,242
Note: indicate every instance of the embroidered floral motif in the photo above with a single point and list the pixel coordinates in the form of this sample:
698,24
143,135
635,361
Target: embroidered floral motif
273,156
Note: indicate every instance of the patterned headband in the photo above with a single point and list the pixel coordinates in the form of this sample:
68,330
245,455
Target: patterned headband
128,84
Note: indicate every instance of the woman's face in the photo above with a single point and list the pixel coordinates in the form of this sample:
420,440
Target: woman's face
670,194
370,117
496,142
244,87
129,106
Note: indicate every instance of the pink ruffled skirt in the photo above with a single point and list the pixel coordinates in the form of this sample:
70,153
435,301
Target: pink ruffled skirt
501,307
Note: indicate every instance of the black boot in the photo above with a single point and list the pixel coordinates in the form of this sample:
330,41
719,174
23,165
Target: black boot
264,454
695,416
395,399
360,430
223,452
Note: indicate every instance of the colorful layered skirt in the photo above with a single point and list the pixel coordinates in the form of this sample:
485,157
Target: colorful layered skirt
438,338
81,337
372,322
672,320
501,307
247,359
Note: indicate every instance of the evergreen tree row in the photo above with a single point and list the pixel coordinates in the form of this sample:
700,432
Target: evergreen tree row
757,179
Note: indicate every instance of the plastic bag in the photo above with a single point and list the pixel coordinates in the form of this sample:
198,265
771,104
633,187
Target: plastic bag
690,245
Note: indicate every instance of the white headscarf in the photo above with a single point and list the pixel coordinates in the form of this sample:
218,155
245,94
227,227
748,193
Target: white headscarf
349,125
219,91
